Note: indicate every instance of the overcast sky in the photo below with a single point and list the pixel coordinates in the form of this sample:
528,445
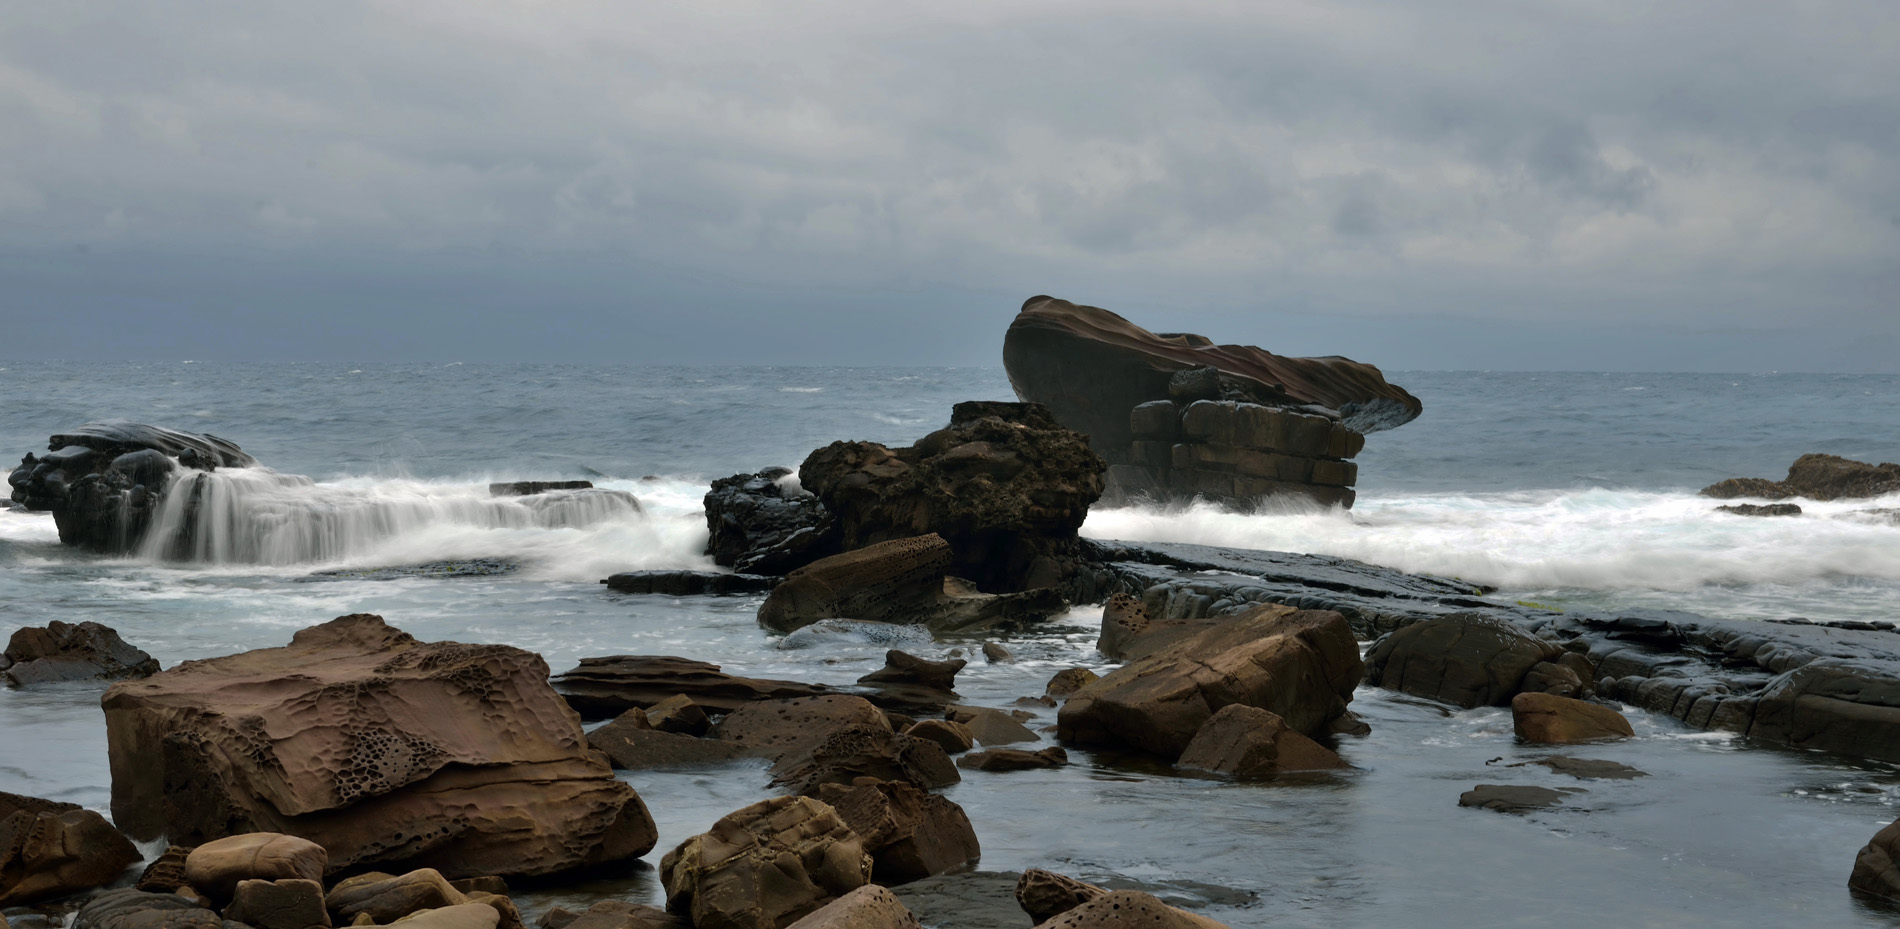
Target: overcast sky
1507,184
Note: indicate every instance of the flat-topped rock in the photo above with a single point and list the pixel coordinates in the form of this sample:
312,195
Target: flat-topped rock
604,687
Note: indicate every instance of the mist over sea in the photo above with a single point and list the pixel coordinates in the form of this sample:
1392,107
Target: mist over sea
1567,489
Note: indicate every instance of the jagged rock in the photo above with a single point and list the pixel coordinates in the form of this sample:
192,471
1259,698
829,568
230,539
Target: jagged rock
378,747
1000,760
49,849
282,904
1044,895
868,907
765,866
1251,742
1003,484
217,866
898,581
780,729
167,872
386,898
1506,798
1553,720
600,688
954,737
1754,509
1464,659
764,524
104,481
1070,680
61,651
1121,908
687,583
1301,665
909,834
864,750
679,714
1816,477
619,914
136,909
991,727
911,681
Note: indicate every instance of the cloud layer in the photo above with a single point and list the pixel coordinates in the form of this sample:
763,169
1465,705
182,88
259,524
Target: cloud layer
1680,168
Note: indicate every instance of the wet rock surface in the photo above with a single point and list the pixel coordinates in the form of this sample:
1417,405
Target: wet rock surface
61,651
910,834
899,581
687,583
765,866
765,523
1247,741
105,481
1815,477
1507,798
1553,720
604,687
376,746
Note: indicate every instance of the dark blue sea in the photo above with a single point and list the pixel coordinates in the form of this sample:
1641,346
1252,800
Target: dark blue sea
1567,489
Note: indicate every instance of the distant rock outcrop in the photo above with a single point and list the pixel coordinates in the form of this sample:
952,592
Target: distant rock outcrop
1176,415
62,651
103,482
1816,477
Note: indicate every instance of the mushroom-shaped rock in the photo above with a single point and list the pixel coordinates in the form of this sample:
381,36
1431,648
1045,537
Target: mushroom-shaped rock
1300,664
1553,720
1464,659
765,866
379,748
1247,741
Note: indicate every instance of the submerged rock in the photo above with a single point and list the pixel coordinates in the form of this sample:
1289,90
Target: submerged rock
1001,760
1816,477
378,747
1505,798
104,482
61,651
1589,768
687,583
530,488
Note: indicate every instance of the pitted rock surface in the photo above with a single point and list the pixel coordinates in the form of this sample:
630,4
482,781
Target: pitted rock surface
378,747
909,834
868,907
765,866
861,751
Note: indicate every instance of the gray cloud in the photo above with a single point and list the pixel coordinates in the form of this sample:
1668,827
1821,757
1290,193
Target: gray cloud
1671,167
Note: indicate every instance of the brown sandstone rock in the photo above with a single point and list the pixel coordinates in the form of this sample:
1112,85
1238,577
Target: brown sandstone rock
954,737
1124,908
914,682
486,884
1513,798
167,872
1301,665
866,751
1044,895
1553,720
868,907
680,714
292,903
778,729
1547,677
460,916
48,849
902,580
136,909
992,727
632,749
619,914
376,746
1070,680
217,866
509,915
1251,742
1877,867
1463,659
765,866
909,834
386,898
1000,760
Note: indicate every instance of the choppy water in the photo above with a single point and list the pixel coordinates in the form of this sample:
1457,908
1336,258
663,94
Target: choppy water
1564,489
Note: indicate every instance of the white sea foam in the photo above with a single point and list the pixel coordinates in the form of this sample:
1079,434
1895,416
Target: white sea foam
1589,539
22,526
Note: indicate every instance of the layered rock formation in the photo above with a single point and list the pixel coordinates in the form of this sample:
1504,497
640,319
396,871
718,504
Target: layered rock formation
104,481
1816,477
1094,369
378,747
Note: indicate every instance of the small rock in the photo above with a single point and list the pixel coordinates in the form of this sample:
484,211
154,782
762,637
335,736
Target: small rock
631,749
167,873
1070,680
460,916
868,907
1251,742
680,714
1044,895
560,917
1590,768
955,737
999,760
49,849
1877,867
388,897
293,903
996,654
1514,799
990,726
62,651
1550,719
217,866
619,914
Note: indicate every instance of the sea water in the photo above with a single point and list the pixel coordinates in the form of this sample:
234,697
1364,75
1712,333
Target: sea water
1563,489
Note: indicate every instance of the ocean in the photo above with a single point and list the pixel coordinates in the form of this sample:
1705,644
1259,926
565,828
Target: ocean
1563,489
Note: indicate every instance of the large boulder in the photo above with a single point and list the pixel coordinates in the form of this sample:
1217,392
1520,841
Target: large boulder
1844,705
909,834
104,482
899,581
765,866
1816,477
378,747
1465,659
61,651
1299,664
1004,484
847,755
605,687
765,523
1247,741
49,849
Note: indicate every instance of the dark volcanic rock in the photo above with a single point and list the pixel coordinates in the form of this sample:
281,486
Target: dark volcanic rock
63,651
378,747
760,524
600,688
104,481
1816,477
687,583
1514,799
899,581
1091,367
530,488
1754,509
1003,484
1590,768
